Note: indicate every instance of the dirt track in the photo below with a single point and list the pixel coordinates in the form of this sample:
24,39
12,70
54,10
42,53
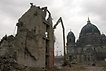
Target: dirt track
83,69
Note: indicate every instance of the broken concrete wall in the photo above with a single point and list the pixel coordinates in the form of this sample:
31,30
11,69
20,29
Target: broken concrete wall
33,40
51,40
33,44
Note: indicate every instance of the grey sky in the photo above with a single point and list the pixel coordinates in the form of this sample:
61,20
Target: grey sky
73,12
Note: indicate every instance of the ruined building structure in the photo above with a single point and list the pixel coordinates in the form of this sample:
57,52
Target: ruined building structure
90,47
33,44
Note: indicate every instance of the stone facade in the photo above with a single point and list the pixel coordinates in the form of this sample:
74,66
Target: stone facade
90,47
33,44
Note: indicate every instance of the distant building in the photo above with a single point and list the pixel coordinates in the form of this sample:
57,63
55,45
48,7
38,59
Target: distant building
89,47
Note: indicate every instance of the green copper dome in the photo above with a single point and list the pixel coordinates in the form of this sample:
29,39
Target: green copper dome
89,28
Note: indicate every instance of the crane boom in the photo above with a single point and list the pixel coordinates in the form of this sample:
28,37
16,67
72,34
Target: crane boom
60,21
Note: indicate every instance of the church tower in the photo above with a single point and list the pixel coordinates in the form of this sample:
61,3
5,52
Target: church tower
70,38
71,45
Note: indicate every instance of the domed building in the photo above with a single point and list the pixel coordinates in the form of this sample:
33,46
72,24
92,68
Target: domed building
89,47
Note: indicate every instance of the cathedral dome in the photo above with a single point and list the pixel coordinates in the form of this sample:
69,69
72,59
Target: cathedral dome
89,28
71,34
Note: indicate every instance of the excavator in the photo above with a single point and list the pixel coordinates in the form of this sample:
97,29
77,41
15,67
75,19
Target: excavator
65,63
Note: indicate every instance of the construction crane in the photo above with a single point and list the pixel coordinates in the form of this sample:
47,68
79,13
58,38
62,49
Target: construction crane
60,21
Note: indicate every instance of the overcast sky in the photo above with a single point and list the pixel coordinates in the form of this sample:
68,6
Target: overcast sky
73,12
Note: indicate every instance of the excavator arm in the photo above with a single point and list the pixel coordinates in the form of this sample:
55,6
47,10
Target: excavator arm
60,21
